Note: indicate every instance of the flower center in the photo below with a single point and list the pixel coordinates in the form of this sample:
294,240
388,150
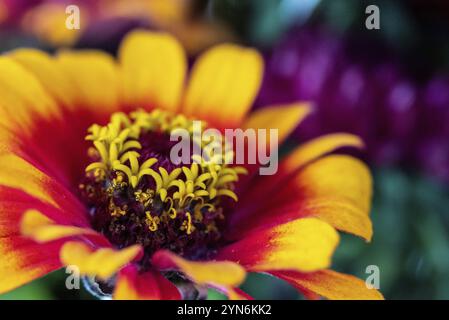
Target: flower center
136,194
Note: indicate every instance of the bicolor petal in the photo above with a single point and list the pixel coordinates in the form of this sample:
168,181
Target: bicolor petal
304,244
20,174
42,229
336,189
291,164
149,285
331,285
22,259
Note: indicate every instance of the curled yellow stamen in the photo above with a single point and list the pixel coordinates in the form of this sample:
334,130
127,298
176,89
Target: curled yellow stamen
187,225
152,221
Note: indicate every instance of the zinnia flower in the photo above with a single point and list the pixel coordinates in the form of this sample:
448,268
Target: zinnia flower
114,205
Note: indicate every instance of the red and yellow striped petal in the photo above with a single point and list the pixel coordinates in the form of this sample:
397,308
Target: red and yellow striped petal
103,262
20,174
22,259
331,285
153,70
303,244
336,189
288,166
221,273
14,203
74,83
223,85
150,285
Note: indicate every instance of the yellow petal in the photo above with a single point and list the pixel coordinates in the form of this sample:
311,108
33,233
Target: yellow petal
223,273
153,69
17,173
282,118
104,262
224,83
331,285
318,147
94,77
303,244
40,228
22,97
45,68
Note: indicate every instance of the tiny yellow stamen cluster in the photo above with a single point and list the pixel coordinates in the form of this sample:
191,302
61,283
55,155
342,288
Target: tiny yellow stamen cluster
152,222
116,210
187,225
197,187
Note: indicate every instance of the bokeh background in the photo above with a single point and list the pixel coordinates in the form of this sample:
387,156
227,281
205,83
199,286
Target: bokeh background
390,86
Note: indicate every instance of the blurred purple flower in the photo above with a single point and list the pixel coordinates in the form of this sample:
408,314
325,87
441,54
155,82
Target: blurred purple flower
402,121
